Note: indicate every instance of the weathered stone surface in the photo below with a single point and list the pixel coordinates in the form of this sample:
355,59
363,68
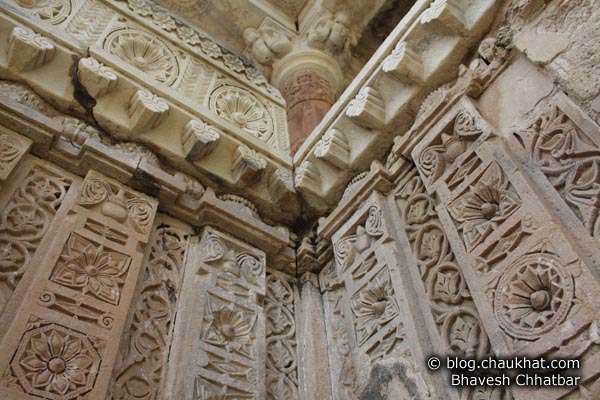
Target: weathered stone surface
159,240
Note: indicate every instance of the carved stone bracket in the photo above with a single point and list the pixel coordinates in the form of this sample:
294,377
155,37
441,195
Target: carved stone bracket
448,12
334,148
247,165
28,50
146,111
404,63
199,139
97,79
368,108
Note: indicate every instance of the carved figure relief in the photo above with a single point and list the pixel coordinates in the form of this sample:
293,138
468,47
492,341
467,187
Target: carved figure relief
24,222
55,362
144,52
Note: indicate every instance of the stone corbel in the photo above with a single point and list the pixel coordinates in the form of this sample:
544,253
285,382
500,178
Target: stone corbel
28,50
97,79
146,111
404,63
367,108
248,165
198,140
307,176
449,13
281,184
334,148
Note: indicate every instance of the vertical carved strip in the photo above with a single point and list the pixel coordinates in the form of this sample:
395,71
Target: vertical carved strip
66,339
142,361
25,220
219,339
282,360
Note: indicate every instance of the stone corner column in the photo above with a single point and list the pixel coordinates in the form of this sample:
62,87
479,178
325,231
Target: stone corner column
309,81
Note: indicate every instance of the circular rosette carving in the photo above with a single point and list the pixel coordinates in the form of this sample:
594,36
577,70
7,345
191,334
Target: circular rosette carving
10,148
52,11
55,362
464,334
242,109
144,52
533,296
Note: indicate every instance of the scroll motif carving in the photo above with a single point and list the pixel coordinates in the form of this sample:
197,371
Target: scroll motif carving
52,11
90,268
24,222
117,203
139,370
55,362
282,380
452,307
435,159
347,248
484,206
76,308
571,162
10,151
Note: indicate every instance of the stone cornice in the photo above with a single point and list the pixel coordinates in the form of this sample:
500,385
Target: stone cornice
422,53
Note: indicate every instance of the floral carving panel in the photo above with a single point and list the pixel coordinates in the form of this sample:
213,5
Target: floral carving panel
145,52
51,11
570,160
139,369
92,269
24,222
486,204
55,362
282,364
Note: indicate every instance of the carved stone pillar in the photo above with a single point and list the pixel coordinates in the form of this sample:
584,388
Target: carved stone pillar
65,319
309,81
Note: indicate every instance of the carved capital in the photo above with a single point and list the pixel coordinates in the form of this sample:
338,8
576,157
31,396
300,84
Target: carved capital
334,148
146,111
404,63
248,165
97,79
449,13
28,50
199,139
367,108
